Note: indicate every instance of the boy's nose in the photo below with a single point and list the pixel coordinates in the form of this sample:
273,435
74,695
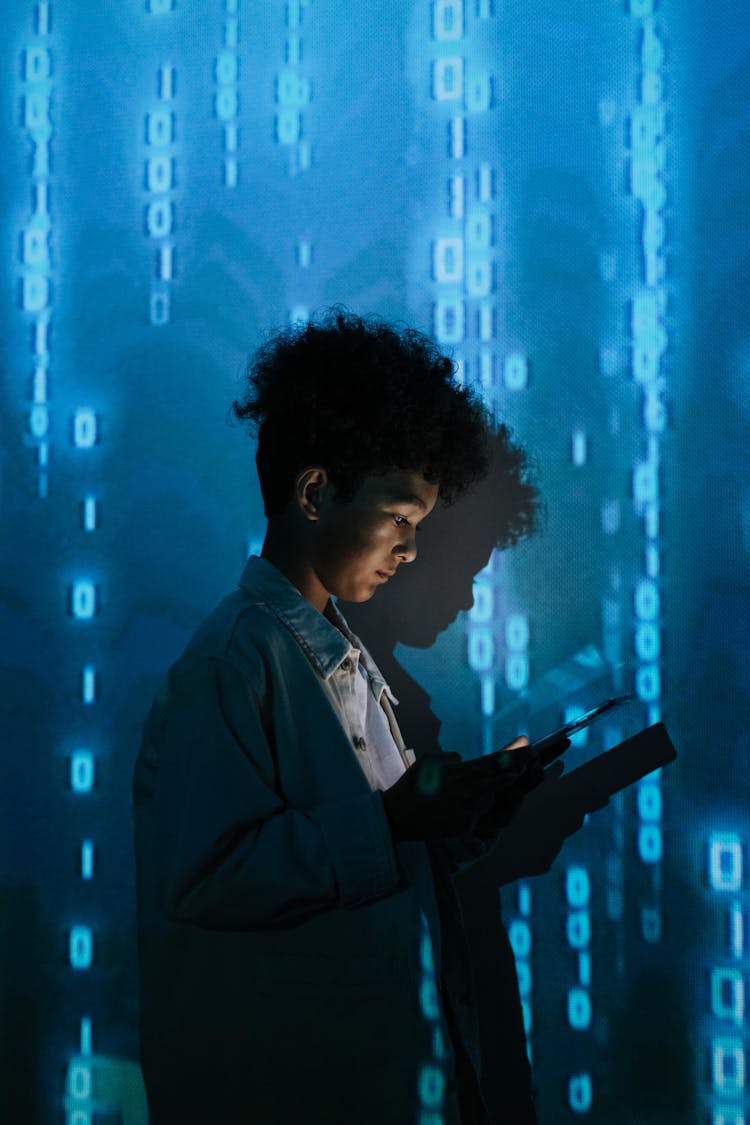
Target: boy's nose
407,551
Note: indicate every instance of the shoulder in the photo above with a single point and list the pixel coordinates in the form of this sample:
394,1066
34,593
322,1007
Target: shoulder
244,633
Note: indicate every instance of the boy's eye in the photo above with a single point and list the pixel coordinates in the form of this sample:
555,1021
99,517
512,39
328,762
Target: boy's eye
402,521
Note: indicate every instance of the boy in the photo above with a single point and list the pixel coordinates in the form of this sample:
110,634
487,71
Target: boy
300,952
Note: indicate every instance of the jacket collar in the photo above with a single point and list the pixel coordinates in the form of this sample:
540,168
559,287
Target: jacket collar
326,639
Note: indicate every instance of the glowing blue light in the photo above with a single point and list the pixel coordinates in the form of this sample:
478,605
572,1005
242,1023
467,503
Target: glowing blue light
166,263
448,20
515,372
231,138
647,600
448,79
81,947
481,649
292,89
485,189
431,1086
479,281
83,599
87,859
166,82
579,448
89,684
39,420
426,957
737,929
728,1065
159,173
34,293
645,362
728,994
523,972
726,1115
82,772
483,603
649,802
449,320
650,844
579,1009
654,412
517,671
226,103
85,428
159,218
35,250
288,126
226,68
725,861
517,632
79,1081
580,1094
294,13
652,50
457,138
577,887
428,999
448,259
86,1035
519,935
37,64
159,307
578,929
160,127
486,321
488,695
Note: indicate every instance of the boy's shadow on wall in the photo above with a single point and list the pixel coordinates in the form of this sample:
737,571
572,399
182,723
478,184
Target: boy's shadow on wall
455,543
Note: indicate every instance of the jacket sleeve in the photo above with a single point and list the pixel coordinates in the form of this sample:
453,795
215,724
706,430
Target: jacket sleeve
223,847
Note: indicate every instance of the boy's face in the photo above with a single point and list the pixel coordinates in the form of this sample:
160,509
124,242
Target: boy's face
357,545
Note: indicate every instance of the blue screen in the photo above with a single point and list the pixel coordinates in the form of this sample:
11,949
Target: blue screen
558,192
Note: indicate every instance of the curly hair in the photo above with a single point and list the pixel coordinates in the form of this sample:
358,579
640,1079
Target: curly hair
361,398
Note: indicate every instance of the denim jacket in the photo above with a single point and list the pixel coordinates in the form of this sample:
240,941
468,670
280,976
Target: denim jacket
282,967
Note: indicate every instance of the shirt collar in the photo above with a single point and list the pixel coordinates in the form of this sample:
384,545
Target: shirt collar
325,644
374,675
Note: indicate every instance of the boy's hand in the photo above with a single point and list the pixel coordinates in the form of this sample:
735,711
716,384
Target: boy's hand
437,799
507,802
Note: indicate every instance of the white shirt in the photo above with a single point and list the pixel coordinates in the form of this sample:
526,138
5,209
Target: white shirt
360,698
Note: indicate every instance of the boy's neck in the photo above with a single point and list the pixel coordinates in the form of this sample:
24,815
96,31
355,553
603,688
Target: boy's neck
285,552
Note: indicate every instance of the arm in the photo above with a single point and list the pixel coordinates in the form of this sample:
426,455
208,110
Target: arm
225,849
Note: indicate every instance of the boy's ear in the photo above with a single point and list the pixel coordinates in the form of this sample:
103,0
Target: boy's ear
310,484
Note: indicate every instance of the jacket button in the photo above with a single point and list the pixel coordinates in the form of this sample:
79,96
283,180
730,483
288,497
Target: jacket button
359,742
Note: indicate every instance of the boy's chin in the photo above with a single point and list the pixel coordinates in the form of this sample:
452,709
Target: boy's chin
358,595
